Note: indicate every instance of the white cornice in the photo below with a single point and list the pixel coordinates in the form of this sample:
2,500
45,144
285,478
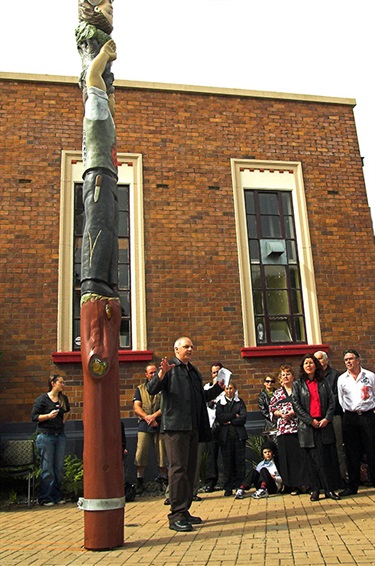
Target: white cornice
220,91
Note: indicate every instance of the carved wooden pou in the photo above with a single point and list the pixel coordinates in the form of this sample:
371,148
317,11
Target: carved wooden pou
103,501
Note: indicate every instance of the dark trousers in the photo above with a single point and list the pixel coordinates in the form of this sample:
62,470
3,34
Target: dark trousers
182,450
233,452
323,464
212,472
259,478
359,439
99,243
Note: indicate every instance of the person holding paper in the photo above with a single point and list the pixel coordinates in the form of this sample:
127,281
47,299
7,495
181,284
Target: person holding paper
212,447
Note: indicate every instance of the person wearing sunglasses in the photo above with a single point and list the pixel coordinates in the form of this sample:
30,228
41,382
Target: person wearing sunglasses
264,399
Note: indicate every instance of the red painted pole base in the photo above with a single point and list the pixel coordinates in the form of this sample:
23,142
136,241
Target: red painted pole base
104,530
103,477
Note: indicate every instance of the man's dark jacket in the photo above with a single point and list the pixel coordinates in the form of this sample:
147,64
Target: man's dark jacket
332,375
176,403
301,404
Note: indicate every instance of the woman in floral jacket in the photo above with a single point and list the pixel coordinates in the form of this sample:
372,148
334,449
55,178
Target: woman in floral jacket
292,459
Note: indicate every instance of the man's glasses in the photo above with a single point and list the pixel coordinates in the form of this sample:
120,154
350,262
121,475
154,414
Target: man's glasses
269,381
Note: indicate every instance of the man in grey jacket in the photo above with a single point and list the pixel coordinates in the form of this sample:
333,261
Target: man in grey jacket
184,423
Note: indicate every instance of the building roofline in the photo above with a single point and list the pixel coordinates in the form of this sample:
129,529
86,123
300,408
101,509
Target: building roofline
220,91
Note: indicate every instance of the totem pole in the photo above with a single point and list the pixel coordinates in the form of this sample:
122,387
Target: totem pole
103,501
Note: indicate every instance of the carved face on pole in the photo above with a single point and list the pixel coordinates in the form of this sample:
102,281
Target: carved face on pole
98,13
105,7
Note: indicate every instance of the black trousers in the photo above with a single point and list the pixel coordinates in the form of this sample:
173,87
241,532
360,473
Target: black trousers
182,452
359,439
323,464
100,237
212,471
259,478
234,464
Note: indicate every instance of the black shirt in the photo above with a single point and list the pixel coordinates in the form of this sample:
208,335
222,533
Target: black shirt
44,405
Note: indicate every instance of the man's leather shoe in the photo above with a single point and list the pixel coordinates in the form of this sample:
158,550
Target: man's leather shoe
346,492
209,489
194,520
197,498
332,495
181,526
167,501
314,496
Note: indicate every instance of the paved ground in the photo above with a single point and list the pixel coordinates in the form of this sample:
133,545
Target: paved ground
280,530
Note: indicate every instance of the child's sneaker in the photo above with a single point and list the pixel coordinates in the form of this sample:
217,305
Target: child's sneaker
260,493
240,494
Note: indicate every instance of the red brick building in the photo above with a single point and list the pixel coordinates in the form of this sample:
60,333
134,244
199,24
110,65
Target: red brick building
246,221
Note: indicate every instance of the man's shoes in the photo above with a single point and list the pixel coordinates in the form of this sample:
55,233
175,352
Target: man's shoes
197,498
240,494
194,520
314,496
259,494
167,501
61,502
227,493
346,492
48,504
332,495
140,487
209,489
181,526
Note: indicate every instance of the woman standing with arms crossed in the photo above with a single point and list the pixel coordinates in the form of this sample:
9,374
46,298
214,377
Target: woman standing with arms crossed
231,414
50,412
292,459
314,405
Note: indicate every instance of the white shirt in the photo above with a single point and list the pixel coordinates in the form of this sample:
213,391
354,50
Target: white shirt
357,394
96,106
212,412
271,467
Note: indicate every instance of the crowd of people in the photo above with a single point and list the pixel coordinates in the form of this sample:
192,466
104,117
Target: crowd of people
319,427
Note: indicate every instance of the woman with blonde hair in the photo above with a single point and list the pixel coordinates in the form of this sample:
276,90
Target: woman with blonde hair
50,411
292,459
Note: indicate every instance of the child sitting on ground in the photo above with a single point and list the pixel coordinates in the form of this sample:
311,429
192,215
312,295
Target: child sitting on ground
265,476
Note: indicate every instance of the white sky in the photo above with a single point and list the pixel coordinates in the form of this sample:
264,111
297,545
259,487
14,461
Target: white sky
326,47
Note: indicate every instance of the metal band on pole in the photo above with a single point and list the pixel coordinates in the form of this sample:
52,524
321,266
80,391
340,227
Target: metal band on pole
101,504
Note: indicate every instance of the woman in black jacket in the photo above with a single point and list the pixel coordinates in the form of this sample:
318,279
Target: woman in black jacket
50,412
314,405
231,414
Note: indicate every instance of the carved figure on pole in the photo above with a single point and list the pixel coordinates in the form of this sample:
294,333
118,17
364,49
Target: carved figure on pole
103,500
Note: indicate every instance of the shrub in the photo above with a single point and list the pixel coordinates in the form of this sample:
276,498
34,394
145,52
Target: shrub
72,483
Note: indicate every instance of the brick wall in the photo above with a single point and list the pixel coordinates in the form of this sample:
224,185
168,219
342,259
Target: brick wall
187,140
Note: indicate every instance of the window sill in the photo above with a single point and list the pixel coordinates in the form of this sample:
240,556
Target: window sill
124,356
285,350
